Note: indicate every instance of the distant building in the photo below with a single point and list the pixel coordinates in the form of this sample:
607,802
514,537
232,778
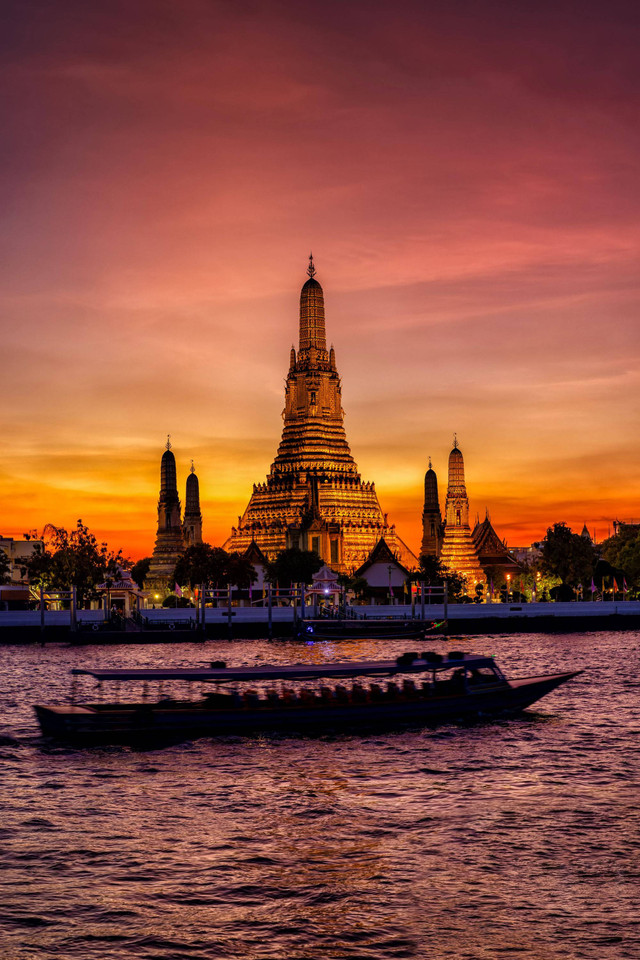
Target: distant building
122,593
432,527
192,523
314,497
259,562
19,552
15,594
625,526
526,554
174,535
383,572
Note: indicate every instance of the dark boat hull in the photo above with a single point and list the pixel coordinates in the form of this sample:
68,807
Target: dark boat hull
174,720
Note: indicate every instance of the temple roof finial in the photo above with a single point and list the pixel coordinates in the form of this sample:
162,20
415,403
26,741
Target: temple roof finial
430,463
311,270
168,441
455,441
193,469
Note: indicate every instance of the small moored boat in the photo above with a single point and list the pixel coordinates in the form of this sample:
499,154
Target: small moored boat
374,629
349,696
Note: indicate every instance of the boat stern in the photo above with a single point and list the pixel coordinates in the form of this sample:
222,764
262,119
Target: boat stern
58,720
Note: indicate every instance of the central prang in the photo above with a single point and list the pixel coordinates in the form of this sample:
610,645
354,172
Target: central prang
314,497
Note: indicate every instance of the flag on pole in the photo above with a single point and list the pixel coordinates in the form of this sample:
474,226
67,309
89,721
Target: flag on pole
615,585
593,586
624,585
178,591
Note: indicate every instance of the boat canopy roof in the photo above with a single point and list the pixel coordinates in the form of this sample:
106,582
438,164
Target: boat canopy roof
295,671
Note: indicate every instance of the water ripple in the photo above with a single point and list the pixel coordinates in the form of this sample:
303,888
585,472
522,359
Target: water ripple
482,840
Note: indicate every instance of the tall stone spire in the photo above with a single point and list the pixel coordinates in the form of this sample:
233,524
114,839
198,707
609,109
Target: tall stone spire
431,516
192,525
458,549
169,541
457,502
169,501
312,330
314,497
313,438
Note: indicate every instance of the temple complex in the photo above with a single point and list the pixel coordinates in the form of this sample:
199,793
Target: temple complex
432,527
479,555
173,535
458,548
314,497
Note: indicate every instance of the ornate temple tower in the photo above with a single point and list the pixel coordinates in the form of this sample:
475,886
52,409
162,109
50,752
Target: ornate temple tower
314,497
431,516
169,541
458,549
192,523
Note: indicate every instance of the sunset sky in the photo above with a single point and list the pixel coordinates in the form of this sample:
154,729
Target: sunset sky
467,177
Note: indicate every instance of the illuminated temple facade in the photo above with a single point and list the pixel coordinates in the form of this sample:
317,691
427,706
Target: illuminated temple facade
314,497
458,548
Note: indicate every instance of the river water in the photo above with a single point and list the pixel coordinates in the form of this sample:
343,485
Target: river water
495,839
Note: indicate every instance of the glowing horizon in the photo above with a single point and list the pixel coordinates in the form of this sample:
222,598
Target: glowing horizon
469,192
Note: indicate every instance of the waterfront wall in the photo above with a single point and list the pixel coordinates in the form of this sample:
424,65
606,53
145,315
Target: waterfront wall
24,626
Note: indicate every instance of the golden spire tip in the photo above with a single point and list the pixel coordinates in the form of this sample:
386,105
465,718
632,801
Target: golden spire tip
311,270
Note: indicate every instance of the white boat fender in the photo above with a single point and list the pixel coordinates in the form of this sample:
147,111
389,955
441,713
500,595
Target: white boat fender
95,626
172,626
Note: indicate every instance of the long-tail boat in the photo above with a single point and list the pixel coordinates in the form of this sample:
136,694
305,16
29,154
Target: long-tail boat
347,696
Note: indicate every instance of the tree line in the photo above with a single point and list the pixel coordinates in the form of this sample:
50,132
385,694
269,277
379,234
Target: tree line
569,565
